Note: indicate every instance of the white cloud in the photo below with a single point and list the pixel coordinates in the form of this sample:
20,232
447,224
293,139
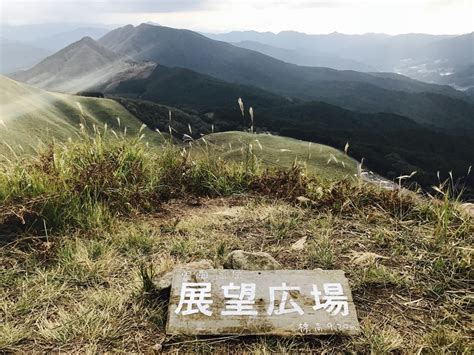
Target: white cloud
317,16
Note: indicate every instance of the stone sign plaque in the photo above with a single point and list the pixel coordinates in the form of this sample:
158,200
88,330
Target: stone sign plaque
280,302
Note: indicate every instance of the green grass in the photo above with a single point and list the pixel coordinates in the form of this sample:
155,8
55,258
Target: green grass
88,226
30,117
279,152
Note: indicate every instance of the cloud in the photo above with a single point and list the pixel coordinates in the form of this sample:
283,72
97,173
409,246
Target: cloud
116,5
312,16
310,4
315,4
38,11
160,6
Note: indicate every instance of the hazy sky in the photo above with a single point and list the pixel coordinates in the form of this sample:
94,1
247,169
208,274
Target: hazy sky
311,16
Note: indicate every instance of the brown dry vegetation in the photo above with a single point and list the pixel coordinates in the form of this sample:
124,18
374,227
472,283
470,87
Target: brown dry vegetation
80,282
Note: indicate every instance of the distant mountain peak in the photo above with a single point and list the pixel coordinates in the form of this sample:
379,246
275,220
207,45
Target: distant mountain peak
80,66
290,32
86,48
86,39
148,25
152,23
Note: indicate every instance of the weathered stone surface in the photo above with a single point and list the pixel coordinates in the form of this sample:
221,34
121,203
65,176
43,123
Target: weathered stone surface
243,260
164,282
467,208
278,302
299,244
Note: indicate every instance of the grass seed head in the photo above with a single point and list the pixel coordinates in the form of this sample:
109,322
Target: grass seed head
241,106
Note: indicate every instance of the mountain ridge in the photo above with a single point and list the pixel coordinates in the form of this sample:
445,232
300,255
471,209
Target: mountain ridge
349,89
108,63
304,59
374,92
421,56
83,65
146,42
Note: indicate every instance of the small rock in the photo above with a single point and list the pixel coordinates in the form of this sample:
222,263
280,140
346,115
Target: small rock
467,208
164,282
304,200
299,244
243,260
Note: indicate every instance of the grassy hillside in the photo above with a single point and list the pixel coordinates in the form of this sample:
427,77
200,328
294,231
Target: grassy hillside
30,117
279,152
271,151
392,145
89,228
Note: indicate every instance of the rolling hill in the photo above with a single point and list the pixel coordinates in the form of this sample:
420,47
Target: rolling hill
278,152
83,65
31,117
392,145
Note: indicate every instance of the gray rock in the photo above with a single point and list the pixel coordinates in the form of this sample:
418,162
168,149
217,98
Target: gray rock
164,282
243,260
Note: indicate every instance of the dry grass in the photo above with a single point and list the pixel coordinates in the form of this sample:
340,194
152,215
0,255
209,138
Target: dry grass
87,287
85,291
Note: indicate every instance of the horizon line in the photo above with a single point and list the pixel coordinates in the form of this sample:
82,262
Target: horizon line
115,26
